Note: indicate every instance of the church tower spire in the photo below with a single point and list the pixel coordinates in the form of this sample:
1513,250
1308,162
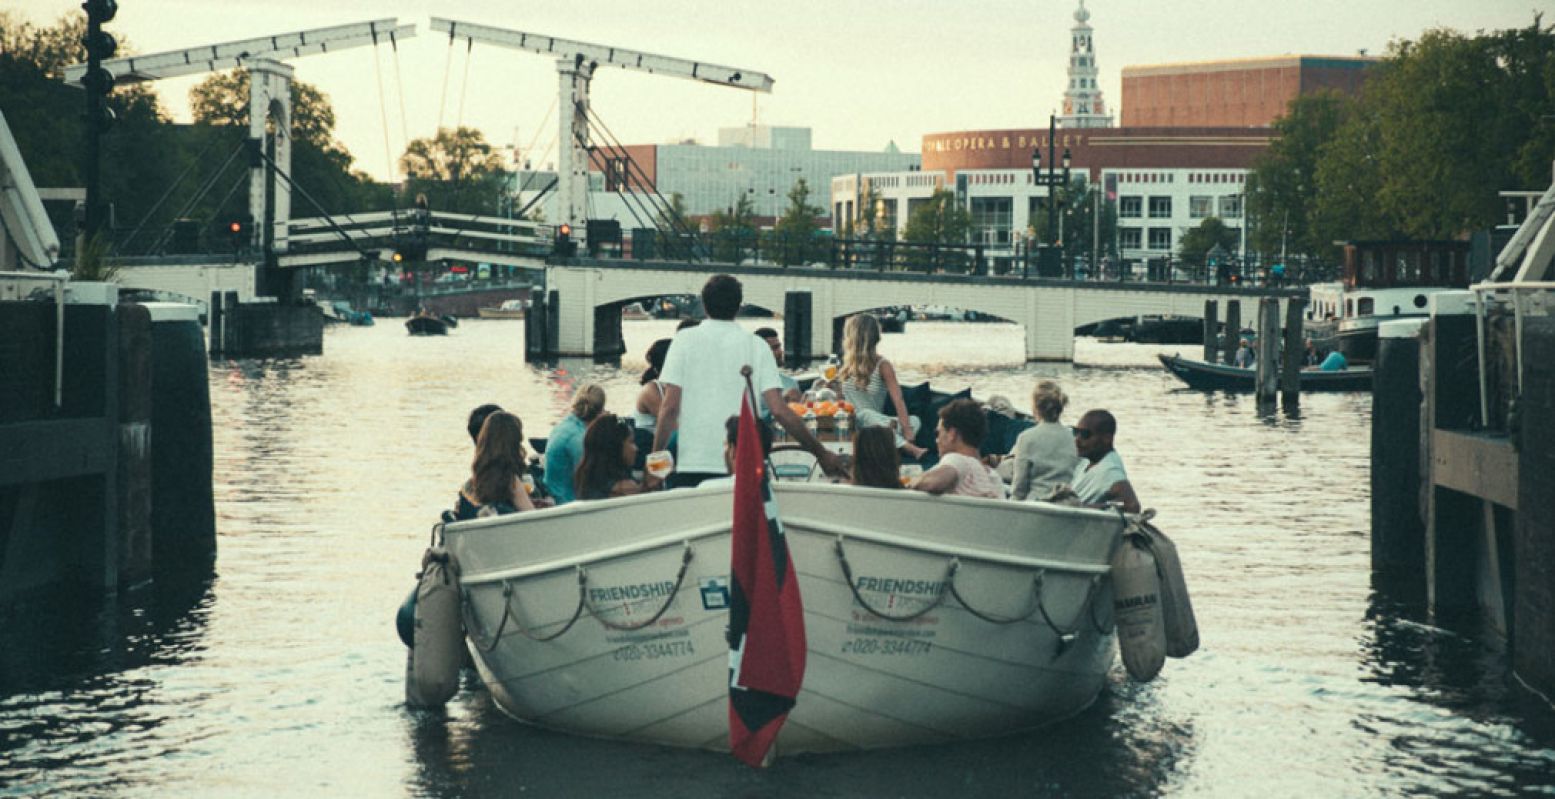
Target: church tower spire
1083,104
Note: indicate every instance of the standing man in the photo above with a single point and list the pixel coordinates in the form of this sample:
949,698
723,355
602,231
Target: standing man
1099,479
703,386
791,392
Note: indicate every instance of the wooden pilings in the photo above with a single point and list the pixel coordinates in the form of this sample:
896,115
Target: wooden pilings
1397,529
1233,330
1211,329
1266,373
797,346
1295,351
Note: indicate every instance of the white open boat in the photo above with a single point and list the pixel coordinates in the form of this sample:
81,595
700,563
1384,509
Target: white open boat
928,619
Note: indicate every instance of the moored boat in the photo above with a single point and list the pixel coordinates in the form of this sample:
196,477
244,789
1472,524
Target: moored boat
1221,377
1383,281
427,326
509,309
928,619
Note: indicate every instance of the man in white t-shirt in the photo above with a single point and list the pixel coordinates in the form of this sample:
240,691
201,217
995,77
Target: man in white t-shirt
958,437
703,386
1099,478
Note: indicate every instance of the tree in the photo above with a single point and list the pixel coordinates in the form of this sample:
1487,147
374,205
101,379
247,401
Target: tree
797,229
1282,188
1441,126
457,170
1196,243
1078,207
939,220
734,230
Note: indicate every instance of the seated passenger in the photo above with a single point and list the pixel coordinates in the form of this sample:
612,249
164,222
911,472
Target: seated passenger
959,436
496,481
876,463
731,441
1099,479
1045,455
565,447
869,382
608,453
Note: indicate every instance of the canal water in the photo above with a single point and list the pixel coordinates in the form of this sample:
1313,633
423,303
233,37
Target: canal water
282,675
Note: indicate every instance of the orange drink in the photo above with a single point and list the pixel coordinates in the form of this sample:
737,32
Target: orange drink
660,463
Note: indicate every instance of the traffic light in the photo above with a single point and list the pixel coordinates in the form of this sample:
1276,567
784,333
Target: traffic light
239,230
565,246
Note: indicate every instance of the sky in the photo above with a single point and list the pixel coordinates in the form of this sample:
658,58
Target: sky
860,74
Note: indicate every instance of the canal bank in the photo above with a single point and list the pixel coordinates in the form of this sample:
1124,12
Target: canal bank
105,441
1463,449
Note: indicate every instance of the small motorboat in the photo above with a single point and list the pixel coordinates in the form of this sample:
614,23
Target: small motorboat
427,326
928,619
1220,377
509,309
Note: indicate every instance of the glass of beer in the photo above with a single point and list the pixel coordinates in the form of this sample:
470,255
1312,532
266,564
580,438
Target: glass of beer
529,484
910,472
660,463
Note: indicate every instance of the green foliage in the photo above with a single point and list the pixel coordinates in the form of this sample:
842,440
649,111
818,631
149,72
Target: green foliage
939,220
91,263
1077,205
1440,127
1212,232
458,171
734,231
798,230
1283,186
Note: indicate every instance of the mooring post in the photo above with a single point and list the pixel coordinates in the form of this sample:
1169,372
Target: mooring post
1295,351
1211,329
1233,330
1397,529
215,317
1267,372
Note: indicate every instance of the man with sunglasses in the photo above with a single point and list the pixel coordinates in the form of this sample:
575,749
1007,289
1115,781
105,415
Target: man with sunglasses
1099,479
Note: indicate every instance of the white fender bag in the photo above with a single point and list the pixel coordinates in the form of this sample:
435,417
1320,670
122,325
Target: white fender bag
432,676
1182,630
1136,605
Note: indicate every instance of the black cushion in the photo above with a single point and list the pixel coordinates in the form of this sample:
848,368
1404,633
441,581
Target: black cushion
929,419
1002,432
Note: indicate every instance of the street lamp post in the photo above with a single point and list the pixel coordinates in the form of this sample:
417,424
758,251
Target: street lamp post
1051,180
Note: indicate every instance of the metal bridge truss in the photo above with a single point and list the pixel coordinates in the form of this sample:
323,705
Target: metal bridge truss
417,235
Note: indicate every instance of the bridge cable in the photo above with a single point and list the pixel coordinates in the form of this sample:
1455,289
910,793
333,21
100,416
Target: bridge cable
399,89
125,244
464,86
161,243
199,194
627,198
554,182
665,209
383,109
447,68
333,225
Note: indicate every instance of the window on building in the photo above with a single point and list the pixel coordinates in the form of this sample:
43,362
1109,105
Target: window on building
1128,238
1365,307
1231,206
1130,207
913,204
1160,238
992,218
1160,208
1200,206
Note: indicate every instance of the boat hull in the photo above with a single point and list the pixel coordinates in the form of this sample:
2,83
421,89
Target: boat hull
1219,377
426,326
945,675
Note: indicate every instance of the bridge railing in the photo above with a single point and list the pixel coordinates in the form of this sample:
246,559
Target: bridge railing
768,248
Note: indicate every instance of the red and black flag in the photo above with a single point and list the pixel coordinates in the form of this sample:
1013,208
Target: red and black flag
766,615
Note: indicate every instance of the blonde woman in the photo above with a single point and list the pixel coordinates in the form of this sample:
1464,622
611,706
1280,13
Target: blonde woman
1045,455
565,448
869,381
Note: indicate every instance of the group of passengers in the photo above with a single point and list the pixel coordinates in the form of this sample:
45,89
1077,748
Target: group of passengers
690,399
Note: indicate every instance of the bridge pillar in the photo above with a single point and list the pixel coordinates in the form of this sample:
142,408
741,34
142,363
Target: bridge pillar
572,310
797,328
1049,324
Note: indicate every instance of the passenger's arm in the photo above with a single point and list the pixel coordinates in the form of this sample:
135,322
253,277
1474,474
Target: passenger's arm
937,480
894,390
521,498
1123,494
830,462
669,417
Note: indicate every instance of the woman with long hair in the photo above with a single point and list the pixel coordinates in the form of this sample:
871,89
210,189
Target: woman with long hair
652,393
565,447
497,473
608,454
1045,455
869,382
876,462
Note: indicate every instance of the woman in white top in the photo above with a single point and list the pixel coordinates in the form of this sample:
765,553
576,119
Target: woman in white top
960,433
1045,455
652,393
869,381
